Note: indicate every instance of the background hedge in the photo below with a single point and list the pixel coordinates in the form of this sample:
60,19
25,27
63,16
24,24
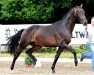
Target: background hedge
39,11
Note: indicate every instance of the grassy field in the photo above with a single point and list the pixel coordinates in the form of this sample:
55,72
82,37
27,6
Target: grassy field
45,55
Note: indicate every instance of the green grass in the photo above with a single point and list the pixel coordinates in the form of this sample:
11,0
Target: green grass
45,55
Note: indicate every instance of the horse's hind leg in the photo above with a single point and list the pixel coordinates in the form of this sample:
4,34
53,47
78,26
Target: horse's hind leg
30,51
16,54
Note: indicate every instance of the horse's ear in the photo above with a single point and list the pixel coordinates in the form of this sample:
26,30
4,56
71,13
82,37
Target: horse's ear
81,5
76,6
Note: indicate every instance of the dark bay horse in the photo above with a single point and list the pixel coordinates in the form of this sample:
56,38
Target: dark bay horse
56,35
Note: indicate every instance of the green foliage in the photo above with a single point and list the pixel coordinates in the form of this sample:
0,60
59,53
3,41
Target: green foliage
25,10
28,60
30,10
48,49
81,49
78,50
54,49
38,11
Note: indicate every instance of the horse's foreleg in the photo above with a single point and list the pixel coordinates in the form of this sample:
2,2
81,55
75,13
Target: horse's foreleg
75,56
74,53
56,58
30,51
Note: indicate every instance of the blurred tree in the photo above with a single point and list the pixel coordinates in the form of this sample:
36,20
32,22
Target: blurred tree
30,11
39,11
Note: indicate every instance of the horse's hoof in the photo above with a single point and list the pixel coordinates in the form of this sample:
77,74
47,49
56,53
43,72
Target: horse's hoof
53,71
76,63
11,71
34,64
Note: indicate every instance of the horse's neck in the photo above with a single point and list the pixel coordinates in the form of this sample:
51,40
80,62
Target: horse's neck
71,24
68,23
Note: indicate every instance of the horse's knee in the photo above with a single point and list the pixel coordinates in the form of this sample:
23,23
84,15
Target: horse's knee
73,51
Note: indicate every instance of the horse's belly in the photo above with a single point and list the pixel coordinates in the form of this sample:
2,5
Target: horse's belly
47,42
46,39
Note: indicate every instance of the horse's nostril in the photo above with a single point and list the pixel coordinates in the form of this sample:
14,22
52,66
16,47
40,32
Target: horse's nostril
85,23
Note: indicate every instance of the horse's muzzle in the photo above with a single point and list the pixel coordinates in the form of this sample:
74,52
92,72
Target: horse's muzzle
85,24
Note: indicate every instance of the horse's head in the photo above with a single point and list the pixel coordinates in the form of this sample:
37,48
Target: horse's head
80,14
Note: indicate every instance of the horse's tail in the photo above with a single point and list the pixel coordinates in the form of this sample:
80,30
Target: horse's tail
13,42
